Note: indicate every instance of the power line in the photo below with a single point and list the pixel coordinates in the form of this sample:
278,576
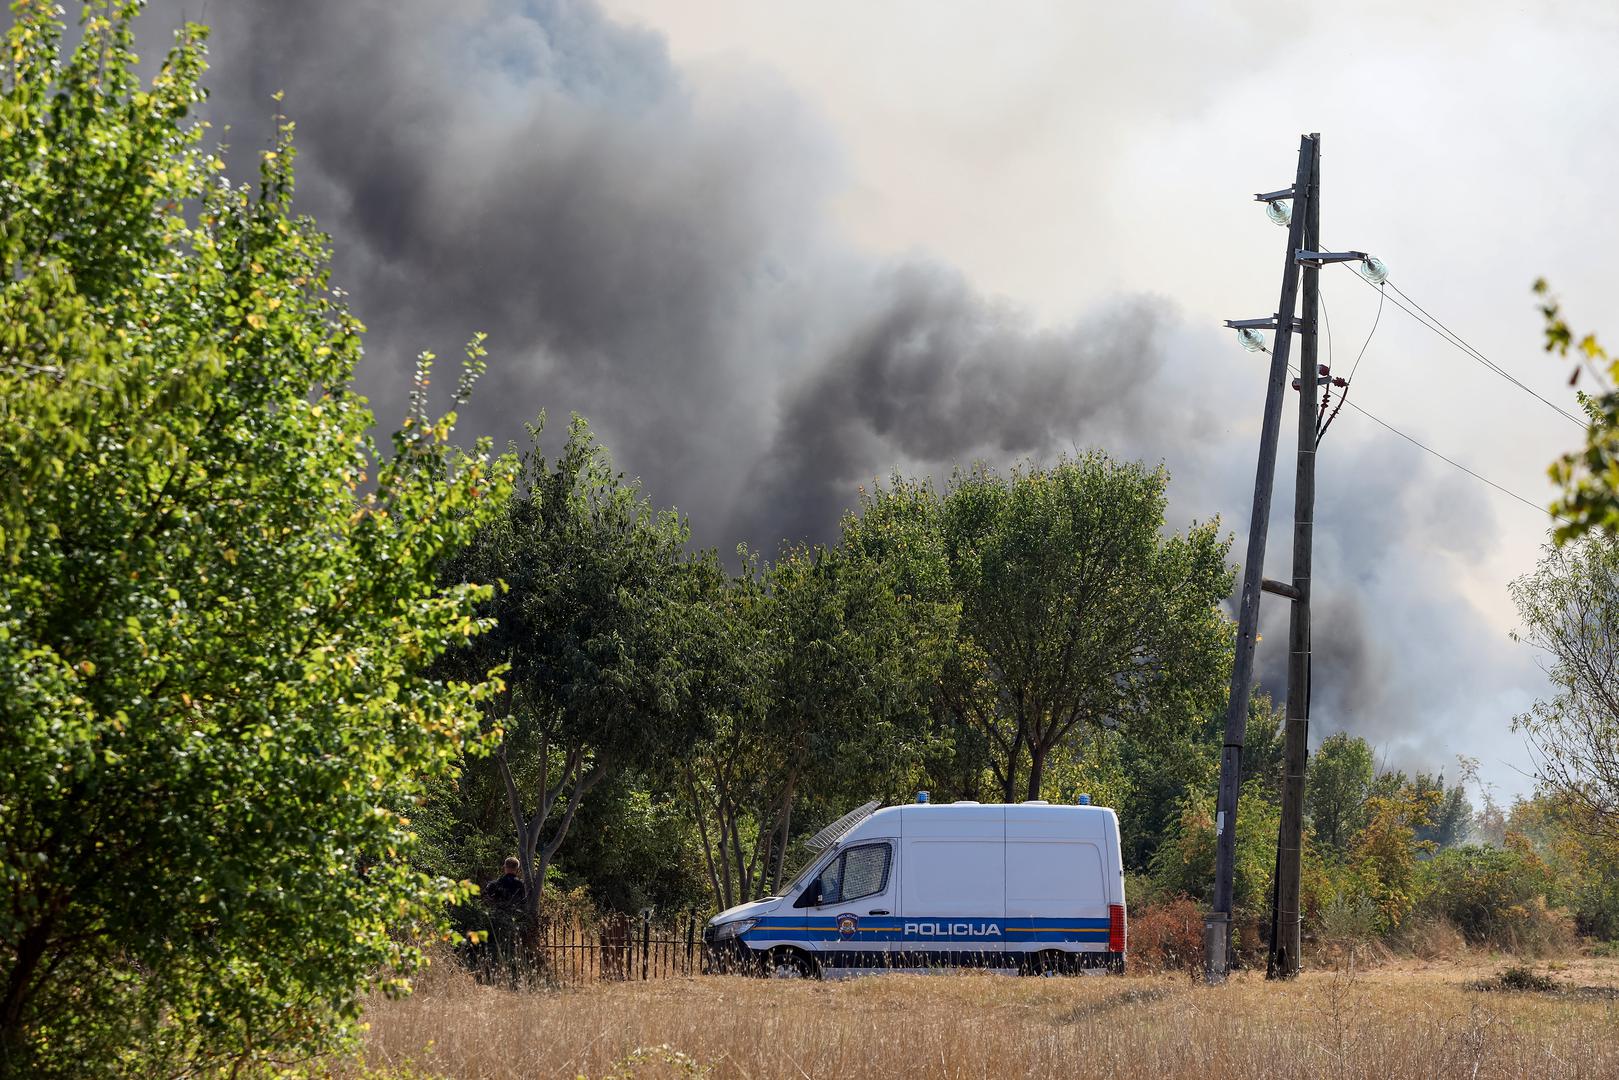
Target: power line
1454,463
1348,384
1377,319
1451,337
1447,460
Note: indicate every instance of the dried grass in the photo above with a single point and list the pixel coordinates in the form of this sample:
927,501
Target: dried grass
1405,1020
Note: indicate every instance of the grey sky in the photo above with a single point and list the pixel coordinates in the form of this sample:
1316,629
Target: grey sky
774,250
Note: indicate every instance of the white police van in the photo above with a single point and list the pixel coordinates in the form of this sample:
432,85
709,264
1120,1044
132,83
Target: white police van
1029,887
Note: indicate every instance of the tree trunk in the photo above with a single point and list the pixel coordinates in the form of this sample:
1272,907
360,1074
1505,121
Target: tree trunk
1037,768
742,883
19,985
786,832
699,814
1009,781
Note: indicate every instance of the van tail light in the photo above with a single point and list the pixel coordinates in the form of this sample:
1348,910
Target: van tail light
1115,928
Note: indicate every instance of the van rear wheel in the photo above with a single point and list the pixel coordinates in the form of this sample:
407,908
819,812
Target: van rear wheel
1048,962
788,964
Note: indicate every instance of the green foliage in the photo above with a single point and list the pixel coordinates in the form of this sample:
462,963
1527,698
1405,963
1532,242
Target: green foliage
1384,857
1583,862
1077,612
1263,742
590,577
212,645
1184,862
1337,785
632,848
1494,896
1588,502
826,660
1452,819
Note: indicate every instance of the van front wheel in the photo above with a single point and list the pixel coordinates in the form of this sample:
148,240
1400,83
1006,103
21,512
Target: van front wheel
788,964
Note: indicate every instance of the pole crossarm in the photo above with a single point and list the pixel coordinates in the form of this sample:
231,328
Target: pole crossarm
1281,588
1274,196
1321,258
1270,322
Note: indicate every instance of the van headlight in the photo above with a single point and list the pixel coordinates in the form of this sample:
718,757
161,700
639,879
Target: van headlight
733,929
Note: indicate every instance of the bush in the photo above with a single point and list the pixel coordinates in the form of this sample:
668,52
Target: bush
1430,937
1519,979
1347,919
1167,936
1496,897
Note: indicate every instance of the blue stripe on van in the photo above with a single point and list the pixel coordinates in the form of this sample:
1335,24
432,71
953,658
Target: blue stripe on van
926,929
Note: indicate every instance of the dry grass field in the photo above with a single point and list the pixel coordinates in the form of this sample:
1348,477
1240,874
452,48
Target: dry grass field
1403,1019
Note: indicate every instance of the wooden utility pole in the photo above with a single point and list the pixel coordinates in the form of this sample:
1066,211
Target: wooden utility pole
1285,931
1217,927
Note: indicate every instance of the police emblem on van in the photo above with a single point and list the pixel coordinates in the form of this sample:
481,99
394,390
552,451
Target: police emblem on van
847,925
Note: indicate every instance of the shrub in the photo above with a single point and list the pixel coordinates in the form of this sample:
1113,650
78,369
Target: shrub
1348,919
1167,936
1496,897
1520,979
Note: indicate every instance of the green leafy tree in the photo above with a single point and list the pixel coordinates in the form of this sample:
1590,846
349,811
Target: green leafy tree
1569,607
901,527
829,709
1337,787
1077,611
589,574
1452,818
1264,745
723,776
212,643
1385,853
1588,478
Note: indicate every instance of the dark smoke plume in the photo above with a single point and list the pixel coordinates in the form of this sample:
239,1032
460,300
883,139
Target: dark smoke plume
657,252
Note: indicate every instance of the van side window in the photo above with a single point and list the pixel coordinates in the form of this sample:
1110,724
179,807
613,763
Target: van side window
859,872
865,872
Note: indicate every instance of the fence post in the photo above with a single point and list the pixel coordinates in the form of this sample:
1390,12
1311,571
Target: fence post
646,937
691,929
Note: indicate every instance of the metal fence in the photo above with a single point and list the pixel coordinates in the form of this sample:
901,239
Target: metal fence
621,947
572,949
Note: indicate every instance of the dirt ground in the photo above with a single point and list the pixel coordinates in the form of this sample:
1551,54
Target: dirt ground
1400,1019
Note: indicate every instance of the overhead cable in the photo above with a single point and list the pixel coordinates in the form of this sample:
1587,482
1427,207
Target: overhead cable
1447,460
1467,350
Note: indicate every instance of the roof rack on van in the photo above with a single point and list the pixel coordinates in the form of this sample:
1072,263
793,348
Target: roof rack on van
829,835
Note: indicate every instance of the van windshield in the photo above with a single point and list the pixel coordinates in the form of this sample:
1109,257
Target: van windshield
804,872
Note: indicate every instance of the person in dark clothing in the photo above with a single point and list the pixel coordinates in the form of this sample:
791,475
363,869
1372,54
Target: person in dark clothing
497,956
506,890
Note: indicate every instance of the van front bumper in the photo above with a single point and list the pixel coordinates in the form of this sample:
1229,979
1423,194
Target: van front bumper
728,957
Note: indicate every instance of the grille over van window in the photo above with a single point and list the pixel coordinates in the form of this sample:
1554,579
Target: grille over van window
864,872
